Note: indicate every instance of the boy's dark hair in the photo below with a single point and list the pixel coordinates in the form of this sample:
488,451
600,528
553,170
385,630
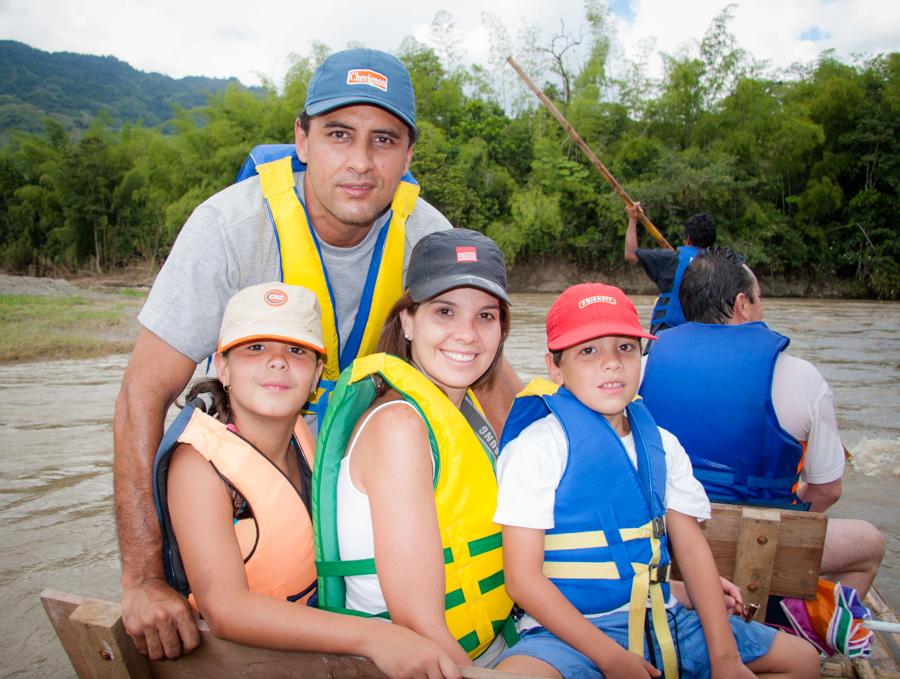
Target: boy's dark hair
556,356
304,119
393,341
711,284
701,230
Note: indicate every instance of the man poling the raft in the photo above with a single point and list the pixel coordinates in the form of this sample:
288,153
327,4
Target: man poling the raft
404,486
665,266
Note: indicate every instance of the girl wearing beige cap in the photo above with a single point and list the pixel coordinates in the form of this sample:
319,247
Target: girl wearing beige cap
232,491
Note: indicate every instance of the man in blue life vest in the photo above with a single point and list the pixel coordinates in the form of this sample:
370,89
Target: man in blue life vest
666,267
343,226
758,423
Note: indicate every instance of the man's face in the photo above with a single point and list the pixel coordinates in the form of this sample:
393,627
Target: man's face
355,157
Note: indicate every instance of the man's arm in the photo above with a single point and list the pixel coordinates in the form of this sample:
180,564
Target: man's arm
820,496
158,619
631,239
496,398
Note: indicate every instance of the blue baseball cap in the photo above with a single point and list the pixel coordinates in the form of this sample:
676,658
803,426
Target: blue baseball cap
362,76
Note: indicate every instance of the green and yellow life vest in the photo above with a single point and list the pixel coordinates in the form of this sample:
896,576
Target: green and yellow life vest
301,264
477,606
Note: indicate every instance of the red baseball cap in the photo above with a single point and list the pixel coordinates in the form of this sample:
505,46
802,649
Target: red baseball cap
590,310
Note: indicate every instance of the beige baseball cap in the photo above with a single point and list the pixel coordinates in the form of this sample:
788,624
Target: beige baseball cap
272,311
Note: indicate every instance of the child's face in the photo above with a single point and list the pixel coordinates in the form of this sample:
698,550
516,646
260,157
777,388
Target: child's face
267,378
603,373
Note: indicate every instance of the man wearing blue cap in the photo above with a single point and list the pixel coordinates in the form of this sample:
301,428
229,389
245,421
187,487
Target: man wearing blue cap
346,214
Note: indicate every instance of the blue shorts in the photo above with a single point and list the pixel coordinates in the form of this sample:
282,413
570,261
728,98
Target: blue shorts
753,641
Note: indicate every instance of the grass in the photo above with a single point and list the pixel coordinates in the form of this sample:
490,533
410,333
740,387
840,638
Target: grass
40,328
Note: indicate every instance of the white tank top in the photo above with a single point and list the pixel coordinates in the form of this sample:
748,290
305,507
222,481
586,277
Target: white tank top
356,541
354,528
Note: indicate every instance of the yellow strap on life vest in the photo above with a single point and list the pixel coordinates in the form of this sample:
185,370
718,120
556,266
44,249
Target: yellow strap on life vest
538,386
641,588
594,538
301,264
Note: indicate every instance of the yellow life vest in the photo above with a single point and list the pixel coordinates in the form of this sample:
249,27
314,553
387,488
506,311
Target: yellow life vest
477,606
277,541
301,264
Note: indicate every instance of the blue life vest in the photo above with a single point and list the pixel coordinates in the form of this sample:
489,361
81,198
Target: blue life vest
667,313
711,386
608,546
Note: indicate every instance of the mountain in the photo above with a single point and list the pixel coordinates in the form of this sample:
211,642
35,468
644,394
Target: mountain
73,88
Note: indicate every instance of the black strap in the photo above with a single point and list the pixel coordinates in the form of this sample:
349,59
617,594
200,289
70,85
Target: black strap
480,426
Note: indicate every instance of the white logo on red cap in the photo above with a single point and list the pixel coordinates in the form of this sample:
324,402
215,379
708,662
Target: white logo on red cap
364,76
466,253
602,299
275,297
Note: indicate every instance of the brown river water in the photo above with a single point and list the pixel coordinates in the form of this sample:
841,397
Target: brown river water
56,513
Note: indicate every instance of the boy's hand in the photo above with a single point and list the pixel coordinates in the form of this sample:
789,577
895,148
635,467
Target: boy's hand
628,665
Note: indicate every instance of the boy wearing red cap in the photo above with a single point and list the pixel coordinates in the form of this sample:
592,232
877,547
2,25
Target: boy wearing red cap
591,490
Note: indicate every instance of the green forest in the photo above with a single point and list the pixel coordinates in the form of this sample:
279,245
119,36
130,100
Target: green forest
800,168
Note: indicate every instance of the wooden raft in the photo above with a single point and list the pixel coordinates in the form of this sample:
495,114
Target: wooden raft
93,635
764,551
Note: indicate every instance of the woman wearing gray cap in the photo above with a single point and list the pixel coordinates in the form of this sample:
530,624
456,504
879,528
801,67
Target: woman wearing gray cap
404,487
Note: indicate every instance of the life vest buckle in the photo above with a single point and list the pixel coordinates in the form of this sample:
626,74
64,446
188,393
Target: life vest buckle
659,526
659,574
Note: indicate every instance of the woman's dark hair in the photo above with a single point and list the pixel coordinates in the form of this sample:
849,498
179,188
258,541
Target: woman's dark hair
304,119
711,285
393,341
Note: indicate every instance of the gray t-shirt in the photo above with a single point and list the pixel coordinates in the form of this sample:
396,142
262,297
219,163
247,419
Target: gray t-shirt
229,243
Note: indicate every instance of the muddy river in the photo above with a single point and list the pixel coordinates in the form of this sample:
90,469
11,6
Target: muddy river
56,517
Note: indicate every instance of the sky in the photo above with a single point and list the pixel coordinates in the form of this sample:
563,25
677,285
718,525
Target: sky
254,40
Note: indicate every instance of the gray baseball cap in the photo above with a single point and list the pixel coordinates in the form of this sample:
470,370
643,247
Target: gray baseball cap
455,258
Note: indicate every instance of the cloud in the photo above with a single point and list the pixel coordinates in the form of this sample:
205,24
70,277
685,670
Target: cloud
249,38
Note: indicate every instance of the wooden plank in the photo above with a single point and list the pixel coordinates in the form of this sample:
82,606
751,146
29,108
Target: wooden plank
92,633
104,642
801,537
59,606
755,556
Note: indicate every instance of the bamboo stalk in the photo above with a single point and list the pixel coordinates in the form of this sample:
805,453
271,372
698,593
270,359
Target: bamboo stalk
607,175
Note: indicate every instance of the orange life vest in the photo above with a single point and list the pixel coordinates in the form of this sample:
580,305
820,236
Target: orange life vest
277,540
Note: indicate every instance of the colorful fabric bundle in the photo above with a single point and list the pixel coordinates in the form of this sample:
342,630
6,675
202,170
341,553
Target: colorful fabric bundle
832,622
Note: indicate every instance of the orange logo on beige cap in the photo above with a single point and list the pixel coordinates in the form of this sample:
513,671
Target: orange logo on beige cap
275,297
363,76
604,299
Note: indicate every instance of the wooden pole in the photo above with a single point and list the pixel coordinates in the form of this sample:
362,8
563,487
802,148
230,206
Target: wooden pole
567,126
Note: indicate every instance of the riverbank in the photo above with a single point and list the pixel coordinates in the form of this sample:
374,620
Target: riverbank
96,315
44,319
554,274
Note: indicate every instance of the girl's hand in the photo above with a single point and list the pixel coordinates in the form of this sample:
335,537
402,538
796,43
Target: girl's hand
402,654
628,665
